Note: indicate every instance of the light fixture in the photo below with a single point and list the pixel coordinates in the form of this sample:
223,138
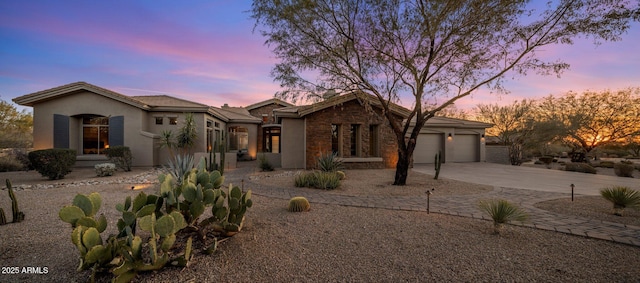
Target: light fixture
449,134
449,137
483,135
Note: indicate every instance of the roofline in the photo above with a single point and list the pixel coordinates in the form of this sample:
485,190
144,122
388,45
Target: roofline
302,111
49,94
267,102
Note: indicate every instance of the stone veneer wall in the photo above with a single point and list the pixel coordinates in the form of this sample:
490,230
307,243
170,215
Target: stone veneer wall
318,131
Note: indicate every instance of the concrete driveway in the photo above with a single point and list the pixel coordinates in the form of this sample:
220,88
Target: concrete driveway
521,177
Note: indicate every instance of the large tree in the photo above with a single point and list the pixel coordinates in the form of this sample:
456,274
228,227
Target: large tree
592,119
16,127
426,52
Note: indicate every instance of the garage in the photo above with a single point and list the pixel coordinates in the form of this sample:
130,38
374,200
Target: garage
466,148
427,146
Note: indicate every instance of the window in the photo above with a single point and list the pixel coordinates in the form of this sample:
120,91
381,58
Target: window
335,139
374,149
173,120
354,136
209,136
238,138
159,120
95,134
271,140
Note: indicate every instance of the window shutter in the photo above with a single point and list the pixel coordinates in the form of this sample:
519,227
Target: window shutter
60,131
116,131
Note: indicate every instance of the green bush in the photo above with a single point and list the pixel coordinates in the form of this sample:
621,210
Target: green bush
546,159
580,167
623,170
120,156
264,164
319,180
8,164
53,163
621,197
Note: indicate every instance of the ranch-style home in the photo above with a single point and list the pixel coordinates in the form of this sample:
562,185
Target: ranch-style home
89,119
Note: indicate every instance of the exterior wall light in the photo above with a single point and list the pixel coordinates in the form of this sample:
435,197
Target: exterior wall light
449,137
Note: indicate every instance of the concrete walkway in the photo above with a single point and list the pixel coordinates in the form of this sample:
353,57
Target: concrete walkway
521,185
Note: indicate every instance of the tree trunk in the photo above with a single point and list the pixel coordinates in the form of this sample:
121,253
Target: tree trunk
402,169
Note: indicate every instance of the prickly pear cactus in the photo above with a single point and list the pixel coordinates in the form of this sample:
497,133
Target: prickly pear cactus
82,212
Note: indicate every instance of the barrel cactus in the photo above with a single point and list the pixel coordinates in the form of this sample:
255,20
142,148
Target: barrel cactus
298,204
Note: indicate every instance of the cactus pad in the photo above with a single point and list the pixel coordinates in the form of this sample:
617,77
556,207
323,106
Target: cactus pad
71,214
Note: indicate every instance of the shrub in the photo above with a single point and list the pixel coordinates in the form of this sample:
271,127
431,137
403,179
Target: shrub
105,169
298,204
621,197
502,211
580,167
318,180
264,164
121,156
8,164
53,163
329,162
546,159
623,170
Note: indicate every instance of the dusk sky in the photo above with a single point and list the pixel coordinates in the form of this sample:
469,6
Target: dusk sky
206,51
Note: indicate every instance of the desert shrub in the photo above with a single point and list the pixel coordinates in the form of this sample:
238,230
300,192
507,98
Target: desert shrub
546,159
53,163
120,156
264,164
502,211
318,179
623,170
605,164
621,198
341,174
329,162
298,204
8,164
105,169
580,167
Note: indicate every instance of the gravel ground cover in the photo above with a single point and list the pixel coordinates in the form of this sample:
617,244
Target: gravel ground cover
330,243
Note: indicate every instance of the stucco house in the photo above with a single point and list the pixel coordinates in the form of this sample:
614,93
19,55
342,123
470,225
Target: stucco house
89,118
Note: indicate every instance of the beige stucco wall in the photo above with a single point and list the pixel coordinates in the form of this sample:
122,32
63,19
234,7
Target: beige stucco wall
293,142
89,103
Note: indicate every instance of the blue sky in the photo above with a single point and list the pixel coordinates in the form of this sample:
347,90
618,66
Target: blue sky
206,51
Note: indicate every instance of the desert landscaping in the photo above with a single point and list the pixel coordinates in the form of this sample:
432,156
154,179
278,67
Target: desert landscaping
330,242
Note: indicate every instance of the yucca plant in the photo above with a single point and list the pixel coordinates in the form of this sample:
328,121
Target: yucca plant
621,197
329,162
502,211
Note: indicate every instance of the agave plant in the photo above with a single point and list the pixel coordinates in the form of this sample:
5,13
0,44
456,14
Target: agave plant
329,162
621,197
502,211
180,165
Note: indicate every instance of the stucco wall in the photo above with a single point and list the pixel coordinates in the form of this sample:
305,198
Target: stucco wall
498,154
258,112
293,141
85,102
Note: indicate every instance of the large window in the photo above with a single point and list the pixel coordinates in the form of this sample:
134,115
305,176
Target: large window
271,140
354,136
335,139
238,138
95,134
374,148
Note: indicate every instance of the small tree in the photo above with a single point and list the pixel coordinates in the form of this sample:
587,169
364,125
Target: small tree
16,127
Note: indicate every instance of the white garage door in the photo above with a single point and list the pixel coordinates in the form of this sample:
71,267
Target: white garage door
465,148
427,147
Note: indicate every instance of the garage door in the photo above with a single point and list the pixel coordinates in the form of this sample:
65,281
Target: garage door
465,148
427,147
